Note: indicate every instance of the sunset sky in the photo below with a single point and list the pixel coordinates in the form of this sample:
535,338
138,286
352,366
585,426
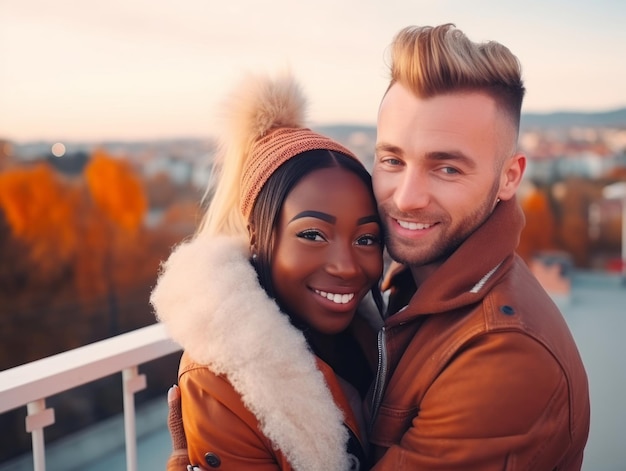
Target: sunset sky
145,69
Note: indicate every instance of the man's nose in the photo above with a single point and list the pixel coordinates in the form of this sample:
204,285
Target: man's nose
412,191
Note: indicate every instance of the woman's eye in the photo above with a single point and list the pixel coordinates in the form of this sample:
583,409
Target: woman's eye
368,239
311,235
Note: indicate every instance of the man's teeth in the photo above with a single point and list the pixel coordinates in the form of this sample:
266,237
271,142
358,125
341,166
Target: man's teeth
413,225
336,298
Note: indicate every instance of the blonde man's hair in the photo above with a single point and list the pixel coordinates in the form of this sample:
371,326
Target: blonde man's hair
436,60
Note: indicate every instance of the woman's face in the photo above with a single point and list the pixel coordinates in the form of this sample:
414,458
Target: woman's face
327,253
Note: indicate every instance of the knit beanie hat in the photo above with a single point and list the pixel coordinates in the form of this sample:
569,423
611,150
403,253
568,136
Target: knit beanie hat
273,150
262,127
273,117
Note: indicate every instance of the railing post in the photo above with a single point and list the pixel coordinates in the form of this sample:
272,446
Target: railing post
132,383
32,383
37,419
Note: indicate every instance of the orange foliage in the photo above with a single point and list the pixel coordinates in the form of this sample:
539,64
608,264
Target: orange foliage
574,224
41,210
618,173
75,257
540,229
116,190
94,247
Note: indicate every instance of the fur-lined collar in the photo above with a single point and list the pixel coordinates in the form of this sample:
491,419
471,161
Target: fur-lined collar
211,303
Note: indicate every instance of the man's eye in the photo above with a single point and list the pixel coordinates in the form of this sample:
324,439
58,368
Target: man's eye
311,235
450,171
390,161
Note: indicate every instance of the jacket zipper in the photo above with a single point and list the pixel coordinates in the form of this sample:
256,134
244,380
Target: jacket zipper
381,375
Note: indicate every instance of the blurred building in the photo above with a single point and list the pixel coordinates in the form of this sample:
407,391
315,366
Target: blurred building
6,154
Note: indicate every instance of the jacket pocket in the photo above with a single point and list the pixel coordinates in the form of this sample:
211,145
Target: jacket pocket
390,424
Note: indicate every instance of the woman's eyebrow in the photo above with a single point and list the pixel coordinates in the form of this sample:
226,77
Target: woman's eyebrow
368,219
315,214
332,219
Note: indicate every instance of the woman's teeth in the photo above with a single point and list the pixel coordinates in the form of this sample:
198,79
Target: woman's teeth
335,297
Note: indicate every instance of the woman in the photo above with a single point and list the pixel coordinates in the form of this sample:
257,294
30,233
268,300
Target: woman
263,298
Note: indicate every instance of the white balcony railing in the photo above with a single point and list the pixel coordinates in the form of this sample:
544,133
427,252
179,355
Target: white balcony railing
30,384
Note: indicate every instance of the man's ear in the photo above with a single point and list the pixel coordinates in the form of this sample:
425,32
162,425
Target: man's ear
511,176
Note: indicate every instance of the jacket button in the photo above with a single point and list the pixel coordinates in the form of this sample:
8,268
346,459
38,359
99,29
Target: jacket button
507,310
212,460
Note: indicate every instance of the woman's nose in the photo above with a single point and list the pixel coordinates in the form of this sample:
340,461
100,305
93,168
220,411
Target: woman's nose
343,262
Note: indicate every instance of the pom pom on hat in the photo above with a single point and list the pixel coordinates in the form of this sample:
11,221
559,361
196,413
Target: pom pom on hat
266,124
261,103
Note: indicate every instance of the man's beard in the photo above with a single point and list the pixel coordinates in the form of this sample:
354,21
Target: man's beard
416,253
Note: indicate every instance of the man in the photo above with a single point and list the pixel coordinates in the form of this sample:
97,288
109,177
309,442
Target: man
477,367
479,370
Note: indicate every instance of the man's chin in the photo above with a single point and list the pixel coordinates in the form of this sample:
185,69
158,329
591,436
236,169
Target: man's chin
402,254
407,255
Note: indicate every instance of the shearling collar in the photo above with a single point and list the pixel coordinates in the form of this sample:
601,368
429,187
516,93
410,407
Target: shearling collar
211,303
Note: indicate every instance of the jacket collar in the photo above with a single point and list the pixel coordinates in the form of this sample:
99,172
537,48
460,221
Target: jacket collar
469,273
211,303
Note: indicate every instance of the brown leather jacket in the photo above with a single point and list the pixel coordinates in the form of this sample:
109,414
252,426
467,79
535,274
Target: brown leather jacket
479,371
231,434
254,396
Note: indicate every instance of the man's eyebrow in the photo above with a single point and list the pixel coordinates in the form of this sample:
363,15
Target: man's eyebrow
452,156
315,214
385,147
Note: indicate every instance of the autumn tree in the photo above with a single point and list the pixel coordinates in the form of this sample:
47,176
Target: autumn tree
116,190
539,232
40,210
575,198
120,205
68,247
76,254
617,174
69,240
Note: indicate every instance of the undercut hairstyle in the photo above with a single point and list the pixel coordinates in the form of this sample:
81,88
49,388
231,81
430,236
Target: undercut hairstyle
432,61
266,210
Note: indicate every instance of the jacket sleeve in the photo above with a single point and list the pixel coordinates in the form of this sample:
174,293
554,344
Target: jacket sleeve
177,461
219,428
501,403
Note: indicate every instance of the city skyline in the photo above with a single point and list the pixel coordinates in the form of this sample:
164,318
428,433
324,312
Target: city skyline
74,70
